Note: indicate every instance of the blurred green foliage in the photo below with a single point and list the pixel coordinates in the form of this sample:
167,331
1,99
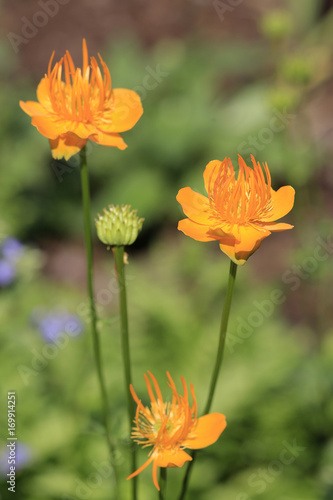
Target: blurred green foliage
274,391
202,100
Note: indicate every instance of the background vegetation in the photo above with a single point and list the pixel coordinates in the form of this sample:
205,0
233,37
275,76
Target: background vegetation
264,89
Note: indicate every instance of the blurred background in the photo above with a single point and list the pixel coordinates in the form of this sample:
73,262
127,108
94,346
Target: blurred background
216,78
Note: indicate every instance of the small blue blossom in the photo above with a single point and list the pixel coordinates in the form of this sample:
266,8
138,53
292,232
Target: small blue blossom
23,455
55,323
73,325
7,273
51,326
12,249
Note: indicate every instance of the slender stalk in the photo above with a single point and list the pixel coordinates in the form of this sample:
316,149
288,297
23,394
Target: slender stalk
223,334
118,252
218,363
162,484
93,316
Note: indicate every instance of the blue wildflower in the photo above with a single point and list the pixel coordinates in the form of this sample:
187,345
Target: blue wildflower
7,273
54,324
12,249
22,458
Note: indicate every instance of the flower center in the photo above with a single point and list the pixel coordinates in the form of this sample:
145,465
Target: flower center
240,200
84,94
168,427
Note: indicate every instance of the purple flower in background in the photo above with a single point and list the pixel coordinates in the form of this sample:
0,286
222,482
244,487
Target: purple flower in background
56,323
73,325
50,327
12,249
22,457
7,273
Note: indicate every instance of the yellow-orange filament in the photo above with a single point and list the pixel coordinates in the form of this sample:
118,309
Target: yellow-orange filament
240,200
82,94
164,425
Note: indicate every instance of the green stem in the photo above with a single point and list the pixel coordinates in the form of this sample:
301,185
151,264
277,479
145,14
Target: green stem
162,483
218,363
223,334
118,252
93,316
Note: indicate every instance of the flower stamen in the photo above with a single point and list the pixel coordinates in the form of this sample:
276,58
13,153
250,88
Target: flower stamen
171,427
70,97
239,212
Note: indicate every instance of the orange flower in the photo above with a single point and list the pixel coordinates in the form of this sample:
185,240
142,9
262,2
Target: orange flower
82,107
171,427
239,212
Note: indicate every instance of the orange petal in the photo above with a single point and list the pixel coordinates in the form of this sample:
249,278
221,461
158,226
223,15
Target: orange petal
114,140
157,388
155,481
277,226
135,397
210,174
150,390
85,56
47,126
195,205
173,458
82,130
33,108
66,146
282,203
225,232
228,247
140,469
196,231
126,111
250,239
208,430
43,95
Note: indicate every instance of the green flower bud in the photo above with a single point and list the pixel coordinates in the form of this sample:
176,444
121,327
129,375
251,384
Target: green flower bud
118,226
276,25
283,98
297,70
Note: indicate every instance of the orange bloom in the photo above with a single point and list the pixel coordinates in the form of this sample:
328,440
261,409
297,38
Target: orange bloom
82,107
239,211
171,427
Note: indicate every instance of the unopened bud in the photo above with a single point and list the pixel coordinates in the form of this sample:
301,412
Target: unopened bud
284,98
297,70
118,226
276,25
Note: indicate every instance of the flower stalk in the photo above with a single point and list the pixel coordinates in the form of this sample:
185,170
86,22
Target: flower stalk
223,334
163,480
218,362
93,315
118,252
